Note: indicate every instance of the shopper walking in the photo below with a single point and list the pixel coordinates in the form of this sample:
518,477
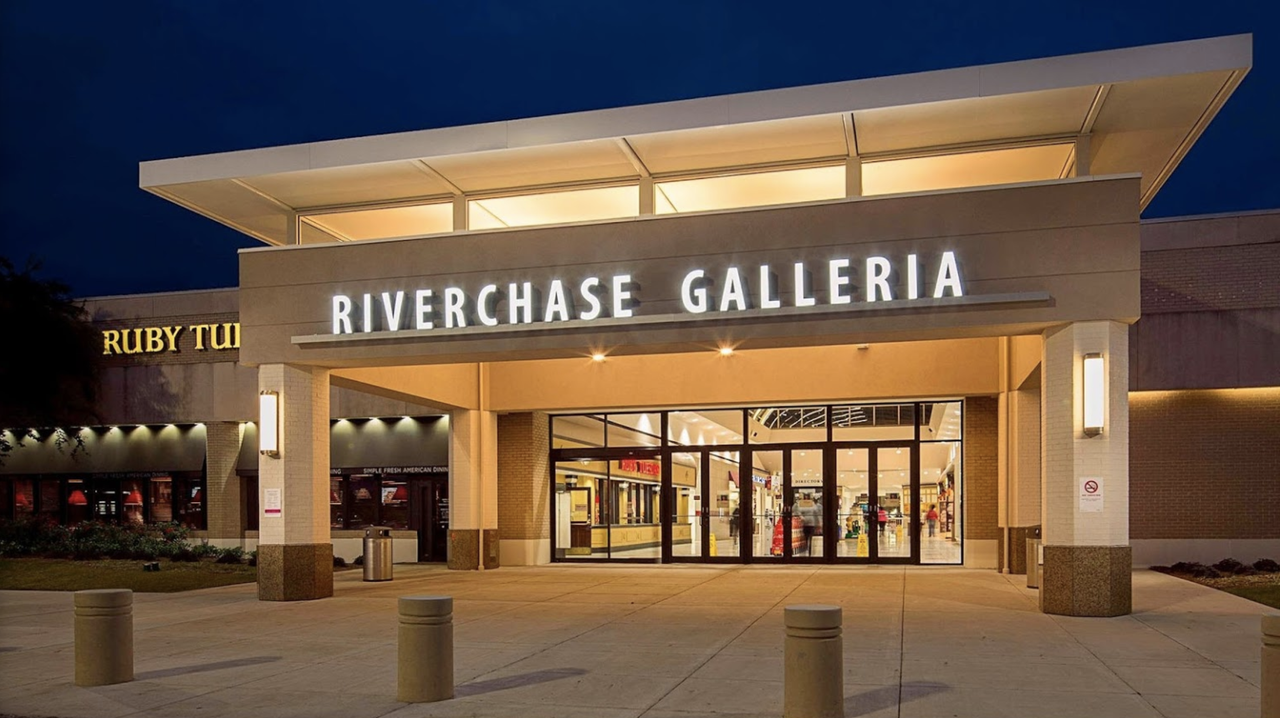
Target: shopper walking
882,519
932,518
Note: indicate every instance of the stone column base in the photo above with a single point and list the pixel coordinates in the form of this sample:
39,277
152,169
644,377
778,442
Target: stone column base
295,572
1087,581
464,549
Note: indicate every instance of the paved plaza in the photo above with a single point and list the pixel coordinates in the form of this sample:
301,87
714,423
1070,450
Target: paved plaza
666,641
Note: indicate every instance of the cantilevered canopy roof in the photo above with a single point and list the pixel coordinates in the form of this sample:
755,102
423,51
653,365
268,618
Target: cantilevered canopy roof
1141,108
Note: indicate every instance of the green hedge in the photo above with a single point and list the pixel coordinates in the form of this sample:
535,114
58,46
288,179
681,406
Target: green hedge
39,536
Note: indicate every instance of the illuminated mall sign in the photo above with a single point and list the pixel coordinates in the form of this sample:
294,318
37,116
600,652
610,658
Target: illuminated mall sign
171,339
756,290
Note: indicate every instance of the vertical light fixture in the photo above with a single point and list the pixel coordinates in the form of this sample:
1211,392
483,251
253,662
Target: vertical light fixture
1095,393
269,423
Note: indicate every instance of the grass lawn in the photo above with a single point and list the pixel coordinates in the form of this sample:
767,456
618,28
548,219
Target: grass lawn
41,574
1267,595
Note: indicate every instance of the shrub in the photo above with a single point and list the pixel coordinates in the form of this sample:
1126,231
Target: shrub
86,554
253,557
339,562
1186,567
228,558
1228,565
1266,565
1206,572
359,561
185,555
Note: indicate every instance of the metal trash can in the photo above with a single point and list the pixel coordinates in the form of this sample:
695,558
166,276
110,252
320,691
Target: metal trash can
377,553
1033,563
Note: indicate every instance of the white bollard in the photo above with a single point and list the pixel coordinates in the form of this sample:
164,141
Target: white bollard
813,674
104,636
1271,665
424,671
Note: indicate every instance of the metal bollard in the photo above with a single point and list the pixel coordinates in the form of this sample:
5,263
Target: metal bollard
1271,665
424,670
814,663
104,636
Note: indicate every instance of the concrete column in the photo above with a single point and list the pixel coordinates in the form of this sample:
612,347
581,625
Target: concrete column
524,489
1087,558
104,636
295,555
222,450
1271,665
473,489
813,662
424,661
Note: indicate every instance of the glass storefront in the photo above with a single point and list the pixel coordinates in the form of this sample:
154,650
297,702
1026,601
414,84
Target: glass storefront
136,498
874,483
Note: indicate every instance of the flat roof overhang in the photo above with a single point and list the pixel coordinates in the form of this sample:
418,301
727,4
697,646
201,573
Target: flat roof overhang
1142,108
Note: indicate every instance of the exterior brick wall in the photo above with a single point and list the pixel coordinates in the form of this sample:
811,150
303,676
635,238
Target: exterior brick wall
222,450
981,453
1210,278
1204,464
524,481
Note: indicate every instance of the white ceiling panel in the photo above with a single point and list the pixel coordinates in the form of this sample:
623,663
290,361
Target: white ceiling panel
534,166
388,181
979,119
793,140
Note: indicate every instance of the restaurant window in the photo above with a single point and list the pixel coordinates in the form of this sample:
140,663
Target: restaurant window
362,495
161,499
50,504
24,498
131,493
106,500
6,499
395,504
189,502
336,493
78,509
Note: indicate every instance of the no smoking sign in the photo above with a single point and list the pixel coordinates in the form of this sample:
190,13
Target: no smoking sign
1090,494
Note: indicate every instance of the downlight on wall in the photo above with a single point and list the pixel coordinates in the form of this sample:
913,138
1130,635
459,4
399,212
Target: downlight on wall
269,424
1095,396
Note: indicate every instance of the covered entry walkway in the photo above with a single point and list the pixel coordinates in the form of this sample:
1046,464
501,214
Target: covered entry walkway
656,641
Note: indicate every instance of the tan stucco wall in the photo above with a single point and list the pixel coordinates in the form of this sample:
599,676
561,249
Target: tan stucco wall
1076,241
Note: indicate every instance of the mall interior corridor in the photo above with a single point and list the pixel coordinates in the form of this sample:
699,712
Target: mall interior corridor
655,641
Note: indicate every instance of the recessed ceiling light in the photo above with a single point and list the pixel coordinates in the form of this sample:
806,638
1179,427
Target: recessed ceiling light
597,357
726,351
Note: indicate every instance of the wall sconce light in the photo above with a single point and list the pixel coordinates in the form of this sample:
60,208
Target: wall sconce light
1095,393
269,423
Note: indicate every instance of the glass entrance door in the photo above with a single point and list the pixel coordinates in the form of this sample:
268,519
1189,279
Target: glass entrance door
789,499
877,503
707,516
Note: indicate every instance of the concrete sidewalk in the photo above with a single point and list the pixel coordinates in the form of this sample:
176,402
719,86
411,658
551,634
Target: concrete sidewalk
656,642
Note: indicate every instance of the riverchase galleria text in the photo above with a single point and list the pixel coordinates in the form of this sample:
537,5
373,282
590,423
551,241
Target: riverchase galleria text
618,296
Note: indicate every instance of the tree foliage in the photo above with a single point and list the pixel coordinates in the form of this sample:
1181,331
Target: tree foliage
49,366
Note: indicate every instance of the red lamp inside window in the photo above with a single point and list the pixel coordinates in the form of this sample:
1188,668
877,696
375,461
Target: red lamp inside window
134,498
401,494
77,498
199,497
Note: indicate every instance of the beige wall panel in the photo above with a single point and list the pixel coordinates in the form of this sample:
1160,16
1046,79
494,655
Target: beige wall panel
1024,357
454,385
1077,241
924,369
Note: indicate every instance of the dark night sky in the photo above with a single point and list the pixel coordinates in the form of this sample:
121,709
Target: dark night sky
92,88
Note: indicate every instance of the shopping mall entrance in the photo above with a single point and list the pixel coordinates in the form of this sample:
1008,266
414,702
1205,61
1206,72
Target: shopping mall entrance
789,499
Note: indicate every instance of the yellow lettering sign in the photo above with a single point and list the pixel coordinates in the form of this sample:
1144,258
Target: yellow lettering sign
156,340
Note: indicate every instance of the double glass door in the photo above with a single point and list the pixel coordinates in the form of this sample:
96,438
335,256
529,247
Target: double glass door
835,503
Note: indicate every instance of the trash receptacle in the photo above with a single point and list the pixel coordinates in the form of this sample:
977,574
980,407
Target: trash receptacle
1033,563
377,553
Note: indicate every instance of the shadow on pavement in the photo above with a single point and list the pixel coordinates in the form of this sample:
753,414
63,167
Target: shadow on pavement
202,667
887,697
524,679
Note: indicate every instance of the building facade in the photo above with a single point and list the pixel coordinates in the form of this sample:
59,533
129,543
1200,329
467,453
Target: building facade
882,321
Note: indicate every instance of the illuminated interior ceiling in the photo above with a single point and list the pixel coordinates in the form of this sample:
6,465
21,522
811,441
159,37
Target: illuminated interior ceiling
1141,109
584,205
390,222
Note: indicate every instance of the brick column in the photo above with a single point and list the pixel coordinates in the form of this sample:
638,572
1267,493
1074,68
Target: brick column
473,489
1087,558
295,555
524,489
222,450
980,482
